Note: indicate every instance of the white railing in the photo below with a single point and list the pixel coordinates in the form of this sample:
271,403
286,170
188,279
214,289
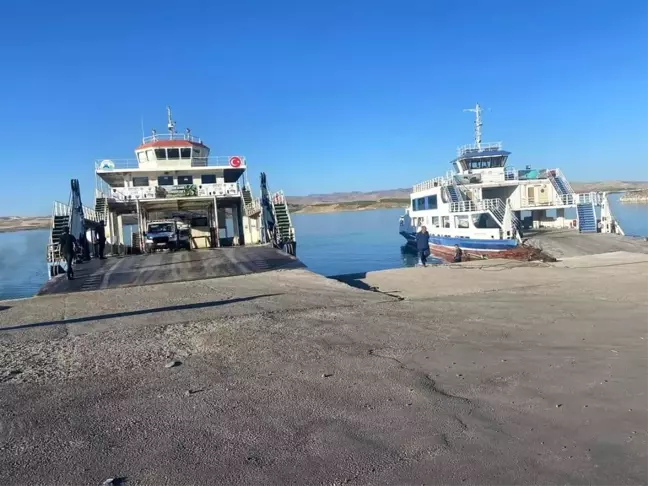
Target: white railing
60,209
479,205
54,252
171,136
90,214
278,198
589,198
436,182
510,174
224,161
474,148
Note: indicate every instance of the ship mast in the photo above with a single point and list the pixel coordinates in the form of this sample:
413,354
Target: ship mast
170,123
478,124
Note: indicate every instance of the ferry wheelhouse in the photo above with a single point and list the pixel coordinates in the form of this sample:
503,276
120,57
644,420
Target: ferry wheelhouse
479,204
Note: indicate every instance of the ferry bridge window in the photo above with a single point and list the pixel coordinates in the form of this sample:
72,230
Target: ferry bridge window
140,181
415,204
431,202
160,154
141,156
185,180
208,178
165,180
173,153
185,153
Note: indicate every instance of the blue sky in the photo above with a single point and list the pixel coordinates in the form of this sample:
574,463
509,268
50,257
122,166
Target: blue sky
323,95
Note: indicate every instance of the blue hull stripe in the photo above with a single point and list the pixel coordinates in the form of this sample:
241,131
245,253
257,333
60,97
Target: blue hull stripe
466,243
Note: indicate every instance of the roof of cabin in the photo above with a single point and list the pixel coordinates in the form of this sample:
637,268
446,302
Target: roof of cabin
481,155
170,144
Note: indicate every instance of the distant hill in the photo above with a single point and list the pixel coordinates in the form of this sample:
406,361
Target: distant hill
342,197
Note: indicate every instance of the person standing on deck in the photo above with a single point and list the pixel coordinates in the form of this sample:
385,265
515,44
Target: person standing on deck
423,245
101,239
68,244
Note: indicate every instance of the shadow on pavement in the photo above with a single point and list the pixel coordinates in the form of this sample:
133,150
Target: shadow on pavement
138,312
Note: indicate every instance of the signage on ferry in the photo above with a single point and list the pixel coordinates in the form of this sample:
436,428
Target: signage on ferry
235,161
107,165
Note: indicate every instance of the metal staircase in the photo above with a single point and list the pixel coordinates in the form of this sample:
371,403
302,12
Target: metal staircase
453,193
101,207
276,223
251,206
586,216
282,216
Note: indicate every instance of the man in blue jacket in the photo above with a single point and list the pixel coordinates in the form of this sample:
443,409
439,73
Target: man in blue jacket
423,245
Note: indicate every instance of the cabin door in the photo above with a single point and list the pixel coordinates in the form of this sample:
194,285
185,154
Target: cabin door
531,195
543,196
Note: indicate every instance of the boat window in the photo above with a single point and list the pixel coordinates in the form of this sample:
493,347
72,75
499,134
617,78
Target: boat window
185,153
419,204
165,180
445,221
150,155
414,204
208,178
173,153
185,180
160,154
140,181
431,202
435,221
461,222
141,156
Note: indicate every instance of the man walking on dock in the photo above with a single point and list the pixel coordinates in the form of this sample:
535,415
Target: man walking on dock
101,239
423,245
68,244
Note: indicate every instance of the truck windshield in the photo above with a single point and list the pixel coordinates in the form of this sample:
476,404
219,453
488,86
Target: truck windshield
160,228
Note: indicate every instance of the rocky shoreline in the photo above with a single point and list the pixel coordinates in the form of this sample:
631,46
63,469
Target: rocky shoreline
640,197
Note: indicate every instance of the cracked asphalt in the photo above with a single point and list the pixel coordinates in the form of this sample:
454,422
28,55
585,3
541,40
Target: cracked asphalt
479,374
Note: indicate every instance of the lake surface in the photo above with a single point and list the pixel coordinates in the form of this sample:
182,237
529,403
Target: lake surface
329,244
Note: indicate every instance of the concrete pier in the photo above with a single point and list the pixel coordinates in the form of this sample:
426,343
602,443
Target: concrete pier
570,243
492,372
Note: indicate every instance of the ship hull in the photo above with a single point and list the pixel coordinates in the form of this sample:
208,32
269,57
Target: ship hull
445,246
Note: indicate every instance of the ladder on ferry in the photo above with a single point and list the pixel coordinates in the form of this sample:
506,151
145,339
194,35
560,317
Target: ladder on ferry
586,216
282,215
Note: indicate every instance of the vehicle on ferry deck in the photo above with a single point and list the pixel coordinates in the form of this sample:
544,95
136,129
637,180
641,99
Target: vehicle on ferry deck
167,235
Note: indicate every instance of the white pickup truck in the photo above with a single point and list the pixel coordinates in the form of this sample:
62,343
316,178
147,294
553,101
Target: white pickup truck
167,235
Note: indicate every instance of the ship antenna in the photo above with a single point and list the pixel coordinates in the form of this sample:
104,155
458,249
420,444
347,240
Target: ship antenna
478,124
170,122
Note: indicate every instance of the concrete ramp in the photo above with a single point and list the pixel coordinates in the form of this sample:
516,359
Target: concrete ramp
167,267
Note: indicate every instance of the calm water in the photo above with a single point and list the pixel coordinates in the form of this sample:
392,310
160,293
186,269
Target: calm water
330,244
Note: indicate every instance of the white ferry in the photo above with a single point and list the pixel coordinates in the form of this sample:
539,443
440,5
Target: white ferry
478,205
175,179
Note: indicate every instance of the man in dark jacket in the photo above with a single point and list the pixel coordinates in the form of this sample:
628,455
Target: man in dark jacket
68,244
423,245
101,239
